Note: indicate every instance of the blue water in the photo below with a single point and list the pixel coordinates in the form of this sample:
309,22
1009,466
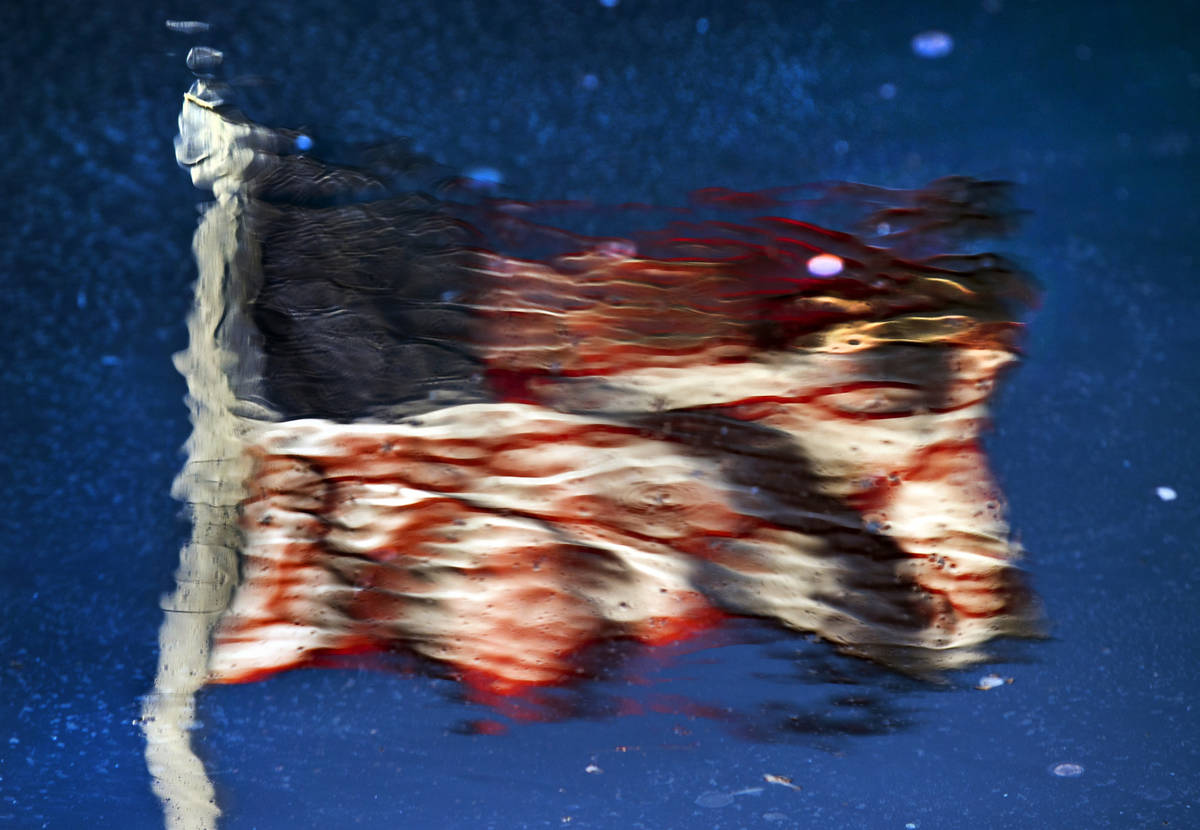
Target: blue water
1094,111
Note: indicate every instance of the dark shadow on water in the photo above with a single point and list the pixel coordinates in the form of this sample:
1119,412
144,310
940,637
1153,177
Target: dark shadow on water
760,684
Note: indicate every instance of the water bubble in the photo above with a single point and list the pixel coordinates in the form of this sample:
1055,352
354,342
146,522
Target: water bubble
1067,770
188,27
714,799
702,26
933,43
1166,493
887,91
304,143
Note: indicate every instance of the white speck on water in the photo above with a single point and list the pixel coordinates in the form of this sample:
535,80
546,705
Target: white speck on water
990,681
1166,493
188,27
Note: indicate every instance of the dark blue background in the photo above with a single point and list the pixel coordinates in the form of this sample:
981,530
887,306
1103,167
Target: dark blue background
1093,108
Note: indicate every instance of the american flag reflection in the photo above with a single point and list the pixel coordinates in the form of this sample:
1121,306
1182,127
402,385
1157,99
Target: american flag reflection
439,424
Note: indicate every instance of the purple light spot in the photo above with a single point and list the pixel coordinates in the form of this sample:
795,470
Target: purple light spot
825,265
932,44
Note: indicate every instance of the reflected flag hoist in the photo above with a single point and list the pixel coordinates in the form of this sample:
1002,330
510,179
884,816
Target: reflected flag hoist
445,427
